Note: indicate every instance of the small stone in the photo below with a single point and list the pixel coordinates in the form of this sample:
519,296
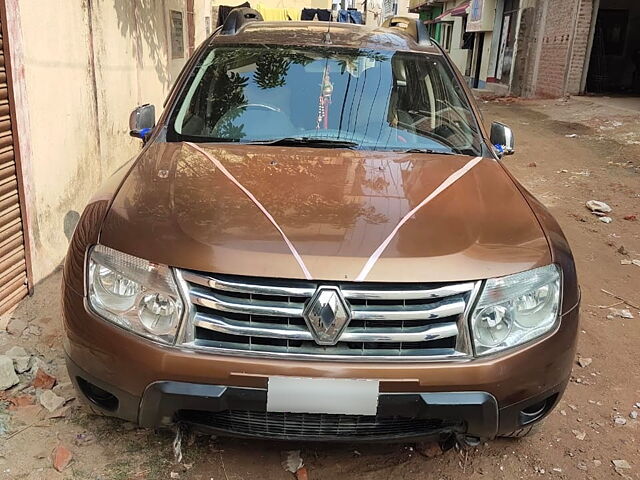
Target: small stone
597,463
606,219
581,466
630,218
579,435
62,456
51,401
532,165
557,470
20,357
43,380
174,475
34,330
622,250
83,439
626,262
622,464
429,449
8,377
16,326
599,207
620,421
20,401
563,413
636,262
634,415
621,312
584,362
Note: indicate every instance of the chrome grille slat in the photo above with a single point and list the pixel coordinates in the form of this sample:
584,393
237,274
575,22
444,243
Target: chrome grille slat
238,287
409,312
264,317
411,334
253,307
281,309
407,294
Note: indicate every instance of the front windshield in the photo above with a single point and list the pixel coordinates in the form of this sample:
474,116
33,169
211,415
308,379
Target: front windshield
375,100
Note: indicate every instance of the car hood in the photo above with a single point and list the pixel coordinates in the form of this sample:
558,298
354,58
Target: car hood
335,206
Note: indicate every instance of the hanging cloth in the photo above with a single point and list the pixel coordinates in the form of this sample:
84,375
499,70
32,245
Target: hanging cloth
323,14
350,16
270,14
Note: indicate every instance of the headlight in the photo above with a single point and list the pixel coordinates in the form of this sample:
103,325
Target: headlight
515,309
134,294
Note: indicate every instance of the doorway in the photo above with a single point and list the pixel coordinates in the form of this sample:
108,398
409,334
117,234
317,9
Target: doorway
614,65
507,41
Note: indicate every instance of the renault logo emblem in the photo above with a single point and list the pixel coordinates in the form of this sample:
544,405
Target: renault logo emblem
327,315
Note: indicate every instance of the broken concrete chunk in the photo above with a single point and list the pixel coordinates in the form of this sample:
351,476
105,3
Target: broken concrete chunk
598,207
51,401
292,461
20,357
584,362
623,464
621,312
8,377
579,435
620,421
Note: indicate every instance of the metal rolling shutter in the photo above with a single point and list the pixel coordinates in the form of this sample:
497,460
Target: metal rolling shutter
13,267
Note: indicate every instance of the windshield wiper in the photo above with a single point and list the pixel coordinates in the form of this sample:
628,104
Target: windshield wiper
426,150
307,142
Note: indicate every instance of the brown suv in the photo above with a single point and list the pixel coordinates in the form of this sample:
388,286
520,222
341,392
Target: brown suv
319,241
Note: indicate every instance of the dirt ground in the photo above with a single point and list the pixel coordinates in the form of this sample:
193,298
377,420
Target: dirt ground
568,152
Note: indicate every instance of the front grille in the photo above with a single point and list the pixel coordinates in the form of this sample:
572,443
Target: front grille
314,426
259,316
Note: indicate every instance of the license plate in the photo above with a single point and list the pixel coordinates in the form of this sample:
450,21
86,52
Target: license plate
322,395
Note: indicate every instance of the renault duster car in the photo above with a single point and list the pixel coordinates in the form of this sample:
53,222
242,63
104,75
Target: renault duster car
319,240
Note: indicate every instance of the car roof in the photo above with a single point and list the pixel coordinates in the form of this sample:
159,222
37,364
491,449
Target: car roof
313,33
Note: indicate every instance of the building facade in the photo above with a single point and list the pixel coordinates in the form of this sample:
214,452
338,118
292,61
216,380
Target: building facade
70,73
67,86
540,48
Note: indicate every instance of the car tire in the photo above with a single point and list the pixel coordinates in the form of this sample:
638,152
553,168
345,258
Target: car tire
520,433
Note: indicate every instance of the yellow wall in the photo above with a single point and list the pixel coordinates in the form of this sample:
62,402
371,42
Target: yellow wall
86,65
295,4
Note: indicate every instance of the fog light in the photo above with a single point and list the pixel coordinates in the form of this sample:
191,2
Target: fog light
157,313
492,325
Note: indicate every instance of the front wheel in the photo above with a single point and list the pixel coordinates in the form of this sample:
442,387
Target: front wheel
520,433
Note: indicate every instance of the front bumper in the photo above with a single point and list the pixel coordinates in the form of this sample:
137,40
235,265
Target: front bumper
156,385
242,412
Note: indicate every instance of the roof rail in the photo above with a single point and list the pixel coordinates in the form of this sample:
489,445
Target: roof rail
237,18
413,26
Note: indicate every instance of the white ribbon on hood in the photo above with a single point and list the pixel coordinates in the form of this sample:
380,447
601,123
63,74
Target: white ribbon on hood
450,180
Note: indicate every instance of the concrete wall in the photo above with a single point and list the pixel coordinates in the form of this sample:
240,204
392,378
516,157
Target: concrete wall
84,66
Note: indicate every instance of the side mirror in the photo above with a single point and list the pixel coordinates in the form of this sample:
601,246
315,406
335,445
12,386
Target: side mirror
502,139
142,120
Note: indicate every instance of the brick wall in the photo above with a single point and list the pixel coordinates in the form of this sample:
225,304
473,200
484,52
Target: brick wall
580,46
563,49
523,81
